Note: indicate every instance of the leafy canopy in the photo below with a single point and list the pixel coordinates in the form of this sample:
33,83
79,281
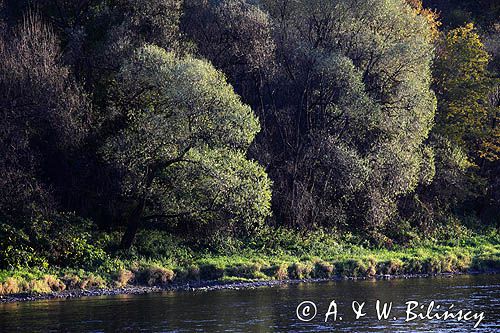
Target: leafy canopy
181,152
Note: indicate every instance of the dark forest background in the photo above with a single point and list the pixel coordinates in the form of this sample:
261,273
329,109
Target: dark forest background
222,120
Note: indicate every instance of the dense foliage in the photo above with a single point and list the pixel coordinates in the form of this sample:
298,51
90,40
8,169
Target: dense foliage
221,124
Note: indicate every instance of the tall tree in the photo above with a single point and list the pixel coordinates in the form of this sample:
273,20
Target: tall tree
463,85
351,81
181,152
464,135
44,120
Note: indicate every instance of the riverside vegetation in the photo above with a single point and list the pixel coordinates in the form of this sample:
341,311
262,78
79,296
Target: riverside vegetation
162,261
167,141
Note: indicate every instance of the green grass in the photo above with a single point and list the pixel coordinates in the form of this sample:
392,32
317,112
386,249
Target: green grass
317,257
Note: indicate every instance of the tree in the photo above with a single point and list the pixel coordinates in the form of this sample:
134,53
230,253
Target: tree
467,117
431,15
463,86
234,34
456,13
181,152
351,83
44,121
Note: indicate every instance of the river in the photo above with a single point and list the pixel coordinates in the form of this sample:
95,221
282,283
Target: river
271,309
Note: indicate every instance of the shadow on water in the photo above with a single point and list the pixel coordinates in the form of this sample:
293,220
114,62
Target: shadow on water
267,309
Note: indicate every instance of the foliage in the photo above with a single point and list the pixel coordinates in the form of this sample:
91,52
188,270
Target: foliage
345,93
140,140
463,85
63,240
430,14
234,34
181,152
459,12
16,251
43,121
460,252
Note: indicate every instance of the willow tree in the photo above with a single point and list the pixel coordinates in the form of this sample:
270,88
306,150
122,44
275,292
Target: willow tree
181,152
347,110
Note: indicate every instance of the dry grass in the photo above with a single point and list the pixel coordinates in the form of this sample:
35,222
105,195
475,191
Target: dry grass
124,277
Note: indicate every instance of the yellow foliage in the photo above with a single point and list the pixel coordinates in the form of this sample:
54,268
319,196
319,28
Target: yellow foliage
430,15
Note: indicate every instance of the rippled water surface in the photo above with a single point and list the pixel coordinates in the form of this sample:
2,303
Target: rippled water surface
267,309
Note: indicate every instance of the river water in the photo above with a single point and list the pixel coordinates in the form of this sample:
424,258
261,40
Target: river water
272,309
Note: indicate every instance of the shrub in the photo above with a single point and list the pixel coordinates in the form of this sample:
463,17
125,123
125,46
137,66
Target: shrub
10,286
53,283
153,275
194,272
414,266
448,263
371,269
391,267
486,263
351,268
47,284
211,272
62,240
248,271
300,270
16,251
159,276
278,272
432,265
161,245
324,270
92,281
463,262
66,240
124,277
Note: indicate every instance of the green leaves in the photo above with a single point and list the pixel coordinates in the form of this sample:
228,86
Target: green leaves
184,142
349,111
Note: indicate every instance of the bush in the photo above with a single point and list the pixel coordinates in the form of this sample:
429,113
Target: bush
160,245
247,271
16,251
485,263
92,281
278,272
153,275
124,277
414,266
371,269
62,240
432,265
324,270
159,276
66,240
72,281
46,285
10,286
300,271
391,267
351,268
211,272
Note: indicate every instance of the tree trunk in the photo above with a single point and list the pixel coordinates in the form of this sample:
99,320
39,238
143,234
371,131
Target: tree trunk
134,222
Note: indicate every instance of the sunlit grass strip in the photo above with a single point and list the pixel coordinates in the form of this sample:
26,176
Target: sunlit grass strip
357,263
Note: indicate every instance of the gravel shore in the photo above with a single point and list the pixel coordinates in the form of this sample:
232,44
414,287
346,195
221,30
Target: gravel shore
199,286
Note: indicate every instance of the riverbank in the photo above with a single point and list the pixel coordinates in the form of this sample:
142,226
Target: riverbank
204,286
162,263
251,269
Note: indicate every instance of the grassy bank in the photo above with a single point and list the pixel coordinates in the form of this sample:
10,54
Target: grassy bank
317,256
